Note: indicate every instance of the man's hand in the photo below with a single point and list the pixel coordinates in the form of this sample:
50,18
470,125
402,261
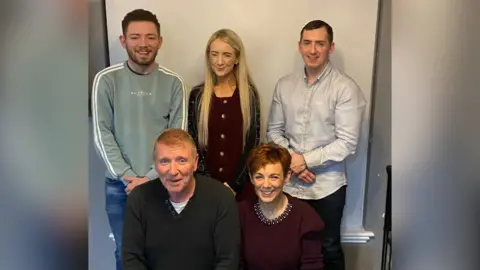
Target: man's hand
307,176
234,193
133,182
299,167
298,163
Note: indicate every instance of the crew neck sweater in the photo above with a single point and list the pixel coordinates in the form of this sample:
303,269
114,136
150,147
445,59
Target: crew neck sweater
204,235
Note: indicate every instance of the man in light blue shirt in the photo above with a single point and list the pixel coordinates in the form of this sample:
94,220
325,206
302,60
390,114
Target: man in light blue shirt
316,113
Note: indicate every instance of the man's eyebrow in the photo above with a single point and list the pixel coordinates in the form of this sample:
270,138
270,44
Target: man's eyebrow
317,40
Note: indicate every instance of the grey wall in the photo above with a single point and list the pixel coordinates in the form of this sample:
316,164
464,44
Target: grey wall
100,246
96,42
368,256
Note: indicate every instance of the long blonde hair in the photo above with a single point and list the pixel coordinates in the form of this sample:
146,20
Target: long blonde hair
243,81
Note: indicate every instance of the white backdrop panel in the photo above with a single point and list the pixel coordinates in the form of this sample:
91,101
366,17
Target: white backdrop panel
270,30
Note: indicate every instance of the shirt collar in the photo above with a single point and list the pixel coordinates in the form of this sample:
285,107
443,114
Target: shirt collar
325,71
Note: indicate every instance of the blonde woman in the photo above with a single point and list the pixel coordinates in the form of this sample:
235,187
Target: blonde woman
224,113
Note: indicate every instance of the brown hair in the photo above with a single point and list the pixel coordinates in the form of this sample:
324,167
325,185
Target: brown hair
175,137
317,24
139,15
268,153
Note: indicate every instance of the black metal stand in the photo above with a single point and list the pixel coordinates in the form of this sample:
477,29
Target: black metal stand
387,229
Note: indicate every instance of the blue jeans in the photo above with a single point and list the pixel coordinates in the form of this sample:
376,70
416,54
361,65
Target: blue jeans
115,200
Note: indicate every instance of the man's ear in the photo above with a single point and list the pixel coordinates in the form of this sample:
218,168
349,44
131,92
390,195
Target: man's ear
195,166
160,42
123,41
332,48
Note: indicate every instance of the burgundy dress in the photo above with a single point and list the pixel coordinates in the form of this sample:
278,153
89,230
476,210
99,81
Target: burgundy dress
225,139
290,242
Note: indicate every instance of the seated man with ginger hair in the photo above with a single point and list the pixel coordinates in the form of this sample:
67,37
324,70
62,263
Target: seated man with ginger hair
181,220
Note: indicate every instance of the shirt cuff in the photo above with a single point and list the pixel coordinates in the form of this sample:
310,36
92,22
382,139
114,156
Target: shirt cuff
152,174
129,173
311,158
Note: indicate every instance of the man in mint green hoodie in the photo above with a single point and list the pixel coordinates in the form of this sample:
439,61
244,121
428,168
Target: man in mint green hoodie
132,103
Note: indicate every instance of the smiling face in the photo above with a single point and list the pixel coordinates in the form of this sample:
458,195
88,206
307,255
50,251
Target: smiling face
176,165
142,42
222,58
269,181
315,48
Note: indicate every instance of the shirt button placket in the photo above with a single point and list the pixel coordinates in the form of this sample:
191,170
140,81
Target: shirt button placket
306,117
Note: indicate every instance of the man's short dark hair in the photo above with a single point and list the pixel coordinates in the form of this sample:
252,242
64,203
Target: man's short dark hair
317,24
139,15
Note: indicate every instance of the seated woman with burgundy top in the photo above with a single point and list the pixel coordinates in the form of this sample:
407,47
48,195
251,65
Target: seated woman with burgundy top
224,114
278,231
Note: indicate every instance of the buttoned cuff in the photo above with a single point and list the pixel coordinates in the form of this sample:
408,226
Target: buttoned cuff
312,158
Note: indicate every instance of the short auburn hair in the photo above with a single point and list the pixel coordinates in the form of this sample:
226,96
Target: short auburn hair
175,137
268,153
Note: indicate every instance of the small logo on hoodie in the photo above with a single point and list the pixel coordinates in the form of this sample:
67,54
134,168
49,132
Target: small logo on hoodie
140,94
